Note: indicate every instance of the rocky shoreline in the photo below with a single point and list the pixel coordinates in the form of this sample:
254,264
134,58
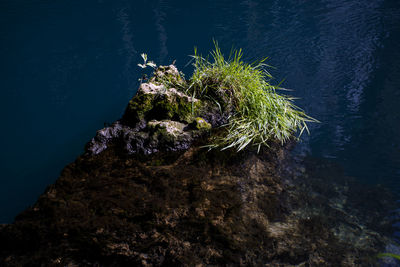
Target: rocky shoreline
147,193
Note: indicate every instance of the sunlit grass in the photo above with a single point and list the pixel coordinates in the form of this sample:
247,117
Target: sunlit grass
260,114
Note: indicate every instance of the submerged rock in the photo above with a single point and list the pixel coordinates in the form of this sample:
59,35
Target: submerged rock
146,193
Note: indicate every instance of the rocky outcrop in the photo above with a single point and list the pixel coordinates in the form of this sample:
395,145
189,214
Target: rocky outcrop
146,193
159,118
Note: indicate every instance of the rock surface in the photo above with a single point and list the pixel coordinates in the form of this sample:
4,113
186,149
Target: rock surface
160,118
147,194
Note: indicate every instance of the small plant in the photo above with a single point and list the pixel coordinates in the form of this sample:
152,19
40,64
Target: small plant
145,63
261,115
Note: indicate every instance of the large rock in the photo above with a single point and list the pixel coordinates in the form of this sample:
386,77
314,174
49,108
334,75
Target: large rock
146,193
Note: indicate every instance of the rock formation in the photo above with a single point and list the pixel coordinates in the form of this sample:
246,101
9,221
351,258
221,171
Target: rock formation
147,193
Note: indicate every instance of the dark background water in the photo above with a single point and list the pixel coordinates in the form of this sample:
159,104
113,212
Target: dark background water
66,67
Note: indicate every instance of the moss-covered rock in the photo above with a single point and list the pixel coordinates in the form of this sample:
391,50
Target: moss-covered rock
175,105
201,124
156,101
167,131
157,118
138,107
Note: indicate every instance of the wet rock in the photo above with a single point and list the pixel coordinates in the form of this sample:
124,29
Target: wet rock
155,101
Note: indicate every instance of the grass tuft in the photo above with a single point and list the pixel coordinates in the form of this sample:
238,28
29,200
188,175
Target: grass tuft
260,114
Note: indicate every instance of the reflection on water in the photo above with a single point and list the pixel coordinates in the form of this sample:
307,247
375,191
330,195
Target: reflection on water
69,67
159,15
129,50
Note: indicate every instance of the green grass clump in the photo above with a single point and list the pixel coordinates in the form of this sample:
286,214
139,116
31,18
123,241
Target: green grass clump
260,114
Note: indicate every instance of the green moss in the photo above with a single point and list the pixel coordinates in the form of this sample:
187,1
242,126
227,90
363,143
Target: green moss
166,130
176,108
200,124
138,106
165,105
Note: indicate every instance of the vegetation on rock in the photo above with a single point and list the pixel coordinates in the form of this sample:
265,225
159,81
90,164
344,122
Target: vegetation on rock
260,115
157,118
228,98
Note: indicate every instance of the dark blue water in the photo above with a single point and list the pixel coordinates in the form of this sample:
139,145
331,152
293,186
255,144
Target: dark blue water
67,67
